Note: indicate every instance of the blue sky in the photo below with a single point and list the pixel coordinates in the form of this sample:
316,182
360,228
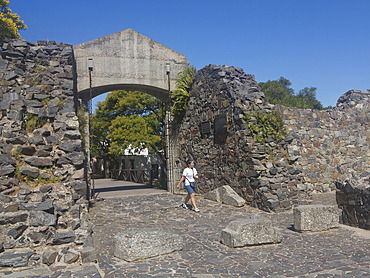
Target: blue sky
319,43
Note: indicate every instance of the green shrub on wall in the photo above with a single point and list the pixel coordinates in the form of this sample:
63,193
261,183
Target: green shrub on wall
33,122
265,125
180,96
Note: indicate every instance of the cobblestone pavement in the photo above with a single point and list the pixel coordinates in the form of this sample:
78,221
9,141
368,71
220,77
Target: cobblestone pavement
340,252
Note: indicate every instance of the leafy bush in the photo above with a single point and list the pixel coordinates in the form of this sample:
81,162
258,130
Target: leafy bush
180,96
265,125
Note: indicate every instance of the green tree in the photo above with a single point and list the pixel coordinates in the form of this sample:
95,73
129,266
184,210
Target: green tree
279,92
10,23
306,98
127,118
131,131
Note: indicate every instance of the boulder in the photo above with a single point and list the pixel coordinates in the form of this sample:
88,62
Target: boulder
41,235
79,187
52,139
59,125
225,194
33,103
31,172
70,146
79,174
17,231
33,90
72,124
6,170
72,134
63,237
13,217
15,258
49,257
77,158
42,153
6,159
46,189
28,150
3,65
88,255
70,257
52,111
40,161
134,243
315,217
41,132
36,140
252,230
41,218
42,206
63,160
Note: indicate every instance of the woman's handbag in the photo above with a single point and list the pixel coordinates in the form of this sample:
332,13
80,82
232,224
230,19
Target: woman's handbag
193,185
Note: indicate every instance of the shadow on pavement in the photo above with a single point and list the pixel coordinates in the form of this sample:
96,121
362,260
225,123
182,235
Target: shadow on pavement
119,188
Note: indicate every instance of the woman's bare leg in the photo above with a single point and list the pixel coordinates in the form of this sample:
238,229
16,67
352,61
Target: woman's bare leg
187,199
192,197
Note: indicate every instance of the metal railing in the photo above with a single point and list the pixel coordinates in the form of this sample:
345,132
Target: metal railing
133,175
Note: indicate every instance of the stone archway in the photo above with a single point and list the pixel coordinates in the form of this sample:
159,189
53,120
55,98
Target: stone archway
127,60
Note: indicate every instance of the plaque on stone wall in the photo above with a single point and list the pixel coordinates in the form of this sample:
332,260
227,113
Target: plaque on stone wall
206,127
220,124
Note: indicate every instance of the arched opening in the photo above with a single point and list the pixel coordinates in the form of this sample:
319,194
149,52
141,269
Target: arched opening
141,160
128,60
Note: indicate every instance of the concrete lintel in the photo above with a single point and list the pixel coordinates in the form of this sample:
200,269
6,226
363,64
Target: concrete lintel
127,60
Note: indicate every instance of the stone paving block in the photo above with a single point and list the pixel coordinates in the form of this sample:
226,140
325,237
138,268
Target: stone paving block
315,217
134,243
252,230
225,194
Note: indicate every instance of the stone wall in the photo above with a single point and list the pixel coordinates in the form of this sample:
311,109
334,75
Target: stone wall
330,145
321,146
43,202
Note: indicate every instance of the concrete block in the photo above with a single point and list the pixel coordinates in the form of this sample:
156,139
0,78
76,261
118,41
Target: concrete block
135,244
225,194
315,217
252,230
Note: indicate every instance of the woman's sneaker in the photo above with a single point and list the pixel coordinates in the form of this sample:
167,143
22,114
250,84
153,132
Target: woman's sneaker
184,206
196,210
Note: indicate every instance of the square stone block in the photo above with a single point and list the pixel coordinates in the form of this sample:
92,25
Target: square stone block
315,218
135,244
252,230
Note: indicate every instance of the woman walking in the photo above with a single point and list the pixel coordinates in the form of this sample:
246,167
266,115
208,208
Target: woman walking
189,174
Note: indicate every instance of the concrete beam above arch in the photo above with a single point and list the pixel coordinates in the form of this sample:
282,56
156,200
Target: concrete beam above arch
127,60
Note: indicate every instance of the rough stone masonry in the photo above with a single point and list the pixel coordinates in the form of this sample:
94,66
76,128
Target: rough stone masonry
42,192
320,148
